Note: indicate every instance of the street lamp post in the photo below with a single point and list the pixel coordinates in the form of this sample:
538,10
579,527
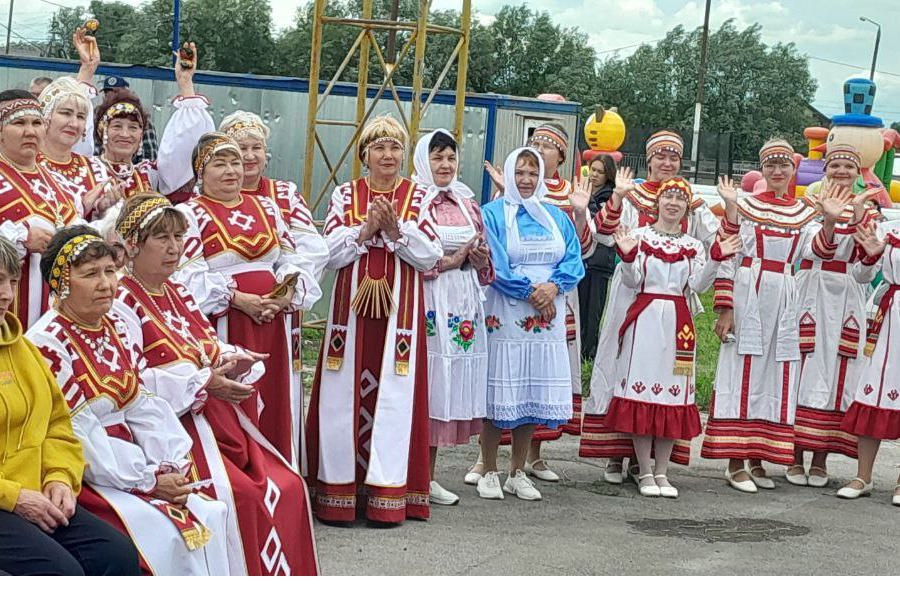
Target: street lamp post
877,41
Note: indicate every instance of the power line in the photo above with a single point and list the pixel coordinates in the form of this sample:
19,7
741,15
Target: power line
843,64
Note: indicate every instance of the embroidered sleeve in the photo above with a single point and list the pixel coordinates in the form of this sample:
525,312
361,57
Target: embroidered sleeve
186,126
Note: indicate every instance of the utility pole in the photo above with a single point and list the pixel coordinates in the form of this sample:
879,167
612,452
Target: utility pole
698,105
863,19
9,25
176,25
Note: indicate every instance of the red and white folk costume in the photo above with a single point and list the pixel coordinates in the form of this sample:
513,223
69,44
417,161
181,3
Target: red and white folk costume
832,327
31,199
368,420
755,397
638,209
875,409
172,168
244,245
83,171
269,526
657,338
128,437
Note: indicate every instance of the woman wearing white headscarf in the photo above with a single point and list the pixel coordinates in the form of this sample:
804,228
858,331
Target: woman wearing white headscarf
454,303
537,260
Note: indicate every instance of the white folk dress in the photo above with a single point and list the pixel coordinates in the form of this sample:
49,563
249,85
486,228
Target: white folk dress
455,329
755,397
654,395
529,379
638,210
832,323
875,410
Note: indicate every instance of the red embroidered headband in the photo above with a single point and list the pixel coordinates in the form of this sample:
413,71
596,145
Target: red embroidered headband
18,108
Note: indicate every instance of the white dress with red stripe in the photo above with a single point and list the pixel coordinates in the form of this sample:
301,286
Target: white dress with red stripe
41,200
368,419
245,245
754,402
129,436
832,325
657,347
269,527
875,410
638,210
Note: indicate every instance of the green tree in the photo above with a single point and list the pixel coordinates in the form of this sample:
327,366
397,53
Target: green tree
752,90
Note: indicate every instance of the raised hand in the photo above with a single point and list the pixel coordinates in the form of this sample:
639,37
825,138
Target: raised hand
867,238
496,176
730,245
728,191
859,203
833,201
624,241
185,76
624,182
581,194
86,46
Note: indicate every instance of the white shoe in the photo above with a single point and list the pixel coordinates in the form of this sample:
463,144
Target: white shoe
544,474
762,482
438,495
648,491
521,486
849,493
473,477
896,499
488,486
797,478
742,486
817,481
666,491
614,477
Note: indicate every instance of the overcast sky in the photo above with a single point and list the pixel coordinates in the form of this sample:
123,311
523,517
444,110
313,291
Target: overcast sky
828,31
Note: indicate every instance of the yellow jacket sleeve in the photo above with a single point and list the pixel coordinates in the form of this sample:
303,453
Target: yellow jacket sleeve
61,456
9,494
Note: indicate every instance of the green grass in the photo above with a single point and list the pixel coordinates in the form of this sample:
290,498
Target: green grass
707,355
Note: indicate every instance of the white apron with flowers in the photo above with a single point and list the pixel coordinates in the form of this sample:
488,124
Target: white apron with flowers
455,331
528,366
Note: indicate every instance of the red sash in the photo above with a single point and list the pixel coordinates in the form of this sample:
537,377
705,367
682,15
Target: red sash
685,337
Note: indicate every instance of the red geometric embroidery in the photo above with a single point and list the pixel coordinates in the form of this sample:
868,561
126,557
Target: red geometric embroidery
638,387
675,390
656,389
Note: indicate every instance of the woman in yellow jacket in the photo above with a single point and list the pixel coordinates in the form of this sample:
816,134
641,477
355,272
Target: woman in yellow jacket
42,530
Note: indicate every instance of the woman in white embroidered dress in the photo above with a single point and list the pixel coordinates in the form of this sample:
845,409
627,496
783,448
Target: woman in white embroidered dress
454,303
654,399
832,322
874,414
241,266
755,398
634,206
537,260
135,449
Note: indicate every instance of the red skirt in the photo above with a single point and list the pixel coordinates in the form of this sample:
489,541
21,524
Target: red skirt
276,420
270,499
681,422
871,421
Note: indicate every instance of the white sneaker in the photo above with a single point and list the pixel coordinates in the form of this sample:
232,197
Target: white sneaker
521,486
473,476
488,486
438,495
545,474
